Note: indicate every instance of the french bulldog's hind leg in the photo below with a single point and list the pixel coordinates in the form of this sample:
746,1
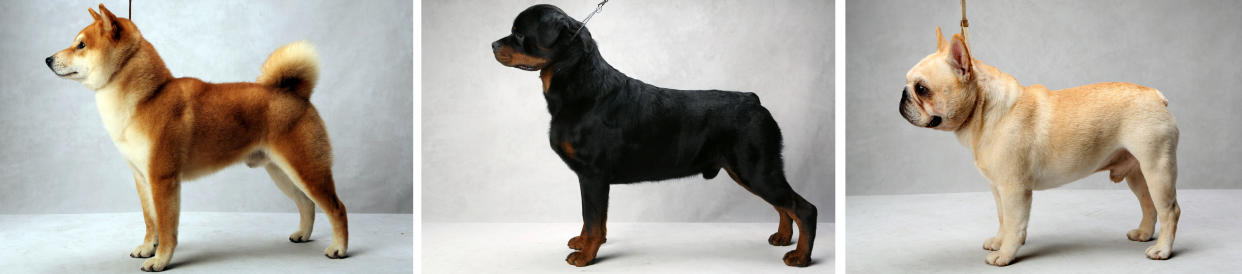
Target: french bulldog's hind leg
1156,152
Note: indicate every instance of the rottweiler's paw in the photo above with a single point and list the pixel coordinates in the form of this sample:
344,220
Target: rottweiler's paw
576,243
155,264
796,258
997,258
300,237
1159,252
579,259
143,251
335,251
1139,235
780,239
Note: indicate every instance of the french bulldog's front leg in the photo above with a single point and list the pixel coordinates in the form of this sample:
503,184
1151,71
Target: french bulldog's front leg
1016,207
994,242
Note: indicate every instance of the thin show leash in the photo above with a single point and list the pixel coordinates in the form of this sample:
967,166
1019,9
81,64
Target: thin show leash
965,25
588,18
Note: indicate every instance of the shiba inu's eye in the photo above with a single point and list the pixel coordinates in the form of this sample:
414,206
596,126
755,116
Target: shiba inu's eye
81,45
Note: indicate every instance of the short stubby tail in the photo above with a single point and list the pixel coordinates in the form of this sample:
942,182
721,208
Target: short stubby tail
293,68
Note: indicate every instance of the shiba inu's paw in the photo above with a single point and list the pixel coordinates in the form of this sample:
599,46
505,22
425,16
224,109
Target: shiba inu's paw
1159,252
143,251
780,239
992,244
998,258
155,264
335,251
796,258
1139,235
299,237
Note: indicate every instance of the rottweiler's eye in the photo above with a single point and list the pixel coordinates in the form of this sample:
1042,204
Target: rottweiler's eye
519,36
921,90
81,45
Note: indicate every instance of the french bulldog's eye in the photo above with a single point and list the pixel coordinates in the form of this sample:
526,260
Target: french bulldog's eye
921,90
81,45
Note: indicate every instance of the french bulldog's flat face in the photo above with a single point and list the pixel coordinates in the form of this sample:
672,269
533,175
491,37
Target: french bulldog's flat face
939,91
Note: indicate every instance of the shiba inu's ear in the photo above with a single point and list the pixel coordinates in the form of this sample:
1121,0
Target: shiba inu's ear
93,14
959,58
939,40
110,26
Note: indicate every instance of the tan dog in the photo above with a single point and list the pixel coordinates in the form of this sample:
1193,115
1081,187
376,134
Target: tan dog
174,129
1032,138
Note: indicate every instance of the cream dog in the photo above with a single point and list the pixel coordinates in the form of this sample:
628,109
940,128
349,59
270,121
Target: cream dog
1032,138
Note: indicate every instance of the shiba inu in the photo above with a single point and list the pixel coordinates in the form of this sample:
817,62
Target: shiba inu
171,130
1031,138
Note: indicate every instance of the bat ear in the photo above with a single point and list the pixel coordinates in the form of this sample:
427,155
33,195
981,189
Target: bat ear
939,40
93,14
959,58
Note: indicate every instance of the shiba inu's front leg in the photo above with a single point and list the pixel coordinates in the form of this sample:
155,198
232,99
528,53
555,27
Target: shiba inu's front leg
147,248
166,202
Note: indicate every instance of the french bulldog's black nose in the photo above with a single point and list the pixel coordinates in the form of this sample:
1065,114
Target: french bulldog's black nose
496,46
48,61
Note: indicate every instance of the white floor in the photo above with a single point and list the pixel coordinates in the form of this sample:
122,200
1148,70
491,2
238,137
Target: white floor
1070,231
208,243
631,248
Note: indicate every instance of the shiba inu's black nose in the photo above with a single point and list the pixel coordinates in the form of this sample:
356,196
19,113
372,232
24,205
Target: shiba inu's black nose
48,61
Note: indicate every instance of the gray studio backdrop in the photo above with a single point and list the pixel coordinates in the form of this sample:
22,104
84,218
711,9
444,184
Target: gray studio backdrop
56,157
485,127
1187,50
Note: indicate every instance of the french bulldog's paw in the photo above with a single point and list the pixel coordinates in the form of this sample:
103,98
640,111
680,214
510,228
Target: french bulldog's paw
780,239
143,251
155,264
1139,235
578,259
797,258
992,244
1158,252
998,259
300,237
335,251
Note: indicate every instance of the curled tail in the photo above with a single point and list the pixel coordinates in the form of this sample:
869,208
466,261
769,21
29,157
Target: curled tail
293,68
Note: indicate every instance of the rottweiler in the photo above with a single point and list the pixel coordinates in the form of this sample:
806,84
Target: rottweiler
613,129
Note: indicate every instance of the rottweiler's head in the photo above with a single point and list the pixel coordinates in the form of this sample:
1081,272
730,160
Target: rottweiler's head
538,35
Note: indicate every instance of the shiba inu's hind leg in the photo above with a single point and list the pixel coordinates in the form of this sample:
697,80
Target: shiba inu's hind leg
305,206
305,156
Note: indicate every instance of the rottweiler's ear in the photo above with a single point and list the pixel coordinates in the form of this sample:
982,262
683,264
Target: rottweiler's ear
93,14
549,35
110,26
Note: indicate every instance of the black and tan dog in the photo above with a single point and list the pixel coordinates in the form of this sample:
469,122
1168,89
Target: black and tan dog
613,129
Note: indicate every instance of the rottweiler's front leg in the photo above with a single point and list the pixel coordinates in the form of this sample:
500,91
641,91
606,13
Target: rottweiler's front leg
594,215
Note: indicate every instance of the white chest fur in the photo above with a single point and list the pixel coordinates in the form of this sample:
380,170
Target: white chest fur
117,112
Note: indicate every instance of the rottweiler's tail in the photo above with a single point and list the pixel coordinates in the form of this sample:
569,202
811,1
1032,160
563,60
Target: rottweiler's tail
293,67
